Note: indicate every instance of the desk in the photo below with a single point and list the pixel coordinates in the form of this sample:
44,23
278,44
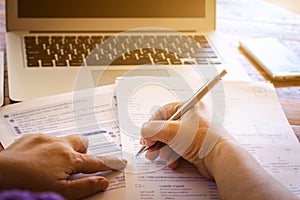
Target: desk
242,19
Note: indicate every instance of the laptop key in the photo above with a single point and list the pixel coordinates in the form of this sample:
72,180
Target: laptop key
176,62
54,51
34,47
142,61
202,61
76,60
33,63
57,40
83,39
161,62
96,39
75,63
70,40
205,45
61,63
43,40
102,62
47,63
30,40
203,55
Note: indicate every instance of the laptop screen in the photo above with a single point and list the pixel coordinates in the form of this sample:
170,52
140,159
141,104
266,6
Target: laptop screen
110,15
111,9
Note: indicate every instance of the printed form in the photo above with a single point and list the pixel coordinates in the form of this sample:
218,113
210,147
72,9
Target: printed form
252,114
261,128
91,113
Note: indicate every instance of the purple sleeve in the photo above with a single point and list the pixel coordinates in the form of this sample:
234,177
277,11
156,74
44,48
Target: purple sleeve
27,195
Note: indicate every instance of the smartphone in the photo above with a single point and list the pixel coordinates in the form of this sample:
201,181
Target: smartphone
274,57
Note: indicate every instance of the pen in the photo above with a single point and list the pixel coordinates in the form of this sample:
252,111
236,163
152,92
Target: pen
199,94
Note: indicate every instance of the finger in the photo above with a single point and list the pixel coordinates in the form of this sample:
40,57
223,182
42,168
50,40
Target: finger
174,160
79,143
147,142
166,111
153,152
112,162
165,153
91,164
79,188
161,131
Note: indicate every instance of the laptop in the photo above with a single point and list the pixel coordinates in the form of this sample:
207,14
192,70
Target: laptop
57,46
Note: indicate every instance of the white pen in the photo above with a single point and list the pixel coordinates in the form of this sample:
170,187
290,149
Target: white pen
191,102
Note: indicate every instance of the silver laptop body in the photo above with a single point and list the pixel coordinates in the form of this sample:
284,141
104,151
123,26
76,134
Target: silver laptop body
74,18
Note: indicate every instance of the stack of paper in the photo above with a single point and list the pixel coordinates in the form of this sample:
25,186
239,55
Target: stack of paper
262,129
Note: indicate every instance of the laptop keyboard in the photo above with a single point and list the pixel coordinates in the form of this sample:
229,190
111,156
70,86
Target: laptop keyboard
97,50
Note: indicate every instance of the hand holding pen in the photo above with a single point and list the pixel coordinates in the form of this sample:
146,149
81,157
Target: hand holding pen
190,103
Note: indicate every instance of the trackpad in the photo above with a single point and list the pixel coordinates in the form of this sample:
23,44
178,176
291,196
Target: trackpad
106,77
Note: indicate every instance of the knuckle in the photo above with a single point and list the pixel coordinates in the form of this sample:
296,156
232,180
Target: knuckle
77,159
61,150
36,139
39,137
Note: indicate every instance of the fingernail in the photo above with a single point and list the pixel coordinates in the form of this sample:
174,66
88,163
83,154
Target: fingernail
124,162
103,183
146,142
149,143
142,142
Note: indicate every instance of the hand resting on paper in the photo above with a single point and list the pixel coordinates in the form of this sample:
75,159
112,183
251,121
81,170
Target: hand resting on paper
226,161
38,162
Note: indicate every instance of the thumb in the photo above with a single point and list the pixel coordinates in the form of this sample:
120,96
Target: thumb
162,131
86,186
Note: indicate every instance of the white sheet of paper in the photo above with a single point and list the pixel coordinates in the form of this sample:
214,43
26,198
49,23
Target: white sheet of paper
90,113
266,135
281,161
252,114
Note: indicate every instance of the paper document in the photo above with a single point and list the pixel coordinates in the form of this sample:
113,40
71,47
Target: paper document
281,161
90,113
153,180
252,114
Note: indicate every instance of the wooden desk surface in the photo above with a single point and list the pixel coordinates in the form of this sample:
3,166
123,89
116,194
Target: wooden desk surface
243,19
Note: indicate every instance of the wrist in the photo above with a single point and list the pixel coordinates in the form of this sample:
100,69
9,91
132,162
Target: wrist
201,167
211,161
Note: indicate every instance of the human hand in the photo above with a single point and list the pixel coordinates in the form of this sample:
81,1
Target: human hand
184,137
42,163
